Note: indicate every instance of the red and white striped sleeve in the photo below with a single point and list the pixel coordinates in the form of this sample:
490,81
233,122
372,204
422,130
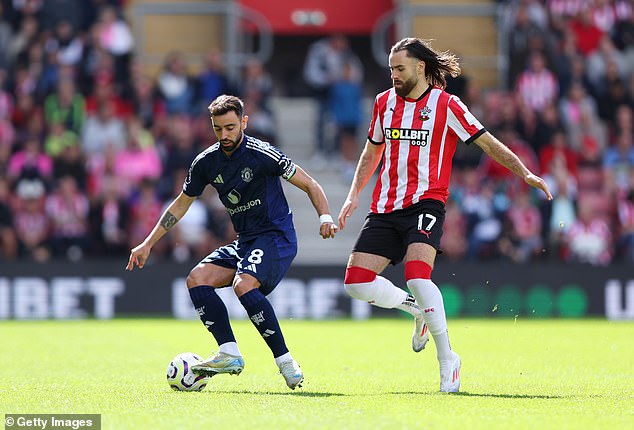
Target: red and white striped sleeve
462,122
375,132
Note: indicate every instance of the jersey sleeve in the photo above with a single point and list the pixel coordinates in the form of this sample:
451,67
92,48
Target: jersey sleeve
375,132
277,163
196,180
462,122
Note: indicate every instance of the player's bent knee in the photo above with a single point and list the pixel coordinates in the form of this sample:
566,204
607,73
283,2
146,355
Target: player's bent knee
208,275
358,283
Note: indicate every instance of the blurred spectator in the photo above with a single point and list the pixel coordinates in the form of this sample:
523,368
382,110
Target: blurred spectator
105,92
587,34
323,66
615,95
257,84
67,209
589,239
176,87
59,139
521,29
261,122
618,163
560,215
599,61
522,241
345,98
66,106
30,162
139,159
558,148
212,80
145,208
149,108
31,223
109,215
580,119
22,39
103,130
70,162
180,151
537,85
8,240
65,44
116,38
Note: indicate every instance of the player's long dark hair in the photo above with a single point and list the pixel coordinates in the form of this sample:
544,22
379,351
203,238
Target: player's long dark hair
225,104
437,64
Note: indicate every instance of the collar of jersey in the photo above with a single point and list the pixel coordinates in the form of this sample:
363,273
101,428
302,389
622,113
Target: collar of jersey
422,96
239,150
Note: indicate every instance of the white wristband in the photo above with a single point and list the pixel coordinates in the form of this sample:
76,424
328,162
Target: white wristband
326,218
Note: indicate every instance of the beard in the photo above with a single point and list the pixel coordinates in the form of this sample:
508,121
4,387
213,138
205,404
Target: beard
228,145
406,87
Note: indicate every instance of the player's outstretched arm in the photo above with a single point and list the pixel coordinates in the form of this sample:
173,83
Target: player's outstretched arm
306,183
503,155
368,162
174,212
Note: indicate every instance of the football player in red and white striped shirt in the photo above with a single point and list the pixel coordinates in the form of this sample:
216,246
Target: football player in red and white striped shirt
414,128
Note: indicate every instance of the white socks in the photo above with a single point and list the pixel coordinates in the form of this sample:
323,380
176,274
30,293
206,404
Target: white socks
383,293
230,348
430,300
282,358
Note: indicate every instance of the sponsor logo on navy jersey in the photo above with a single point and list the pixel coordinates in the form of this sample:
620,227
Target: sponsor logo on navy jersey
244,208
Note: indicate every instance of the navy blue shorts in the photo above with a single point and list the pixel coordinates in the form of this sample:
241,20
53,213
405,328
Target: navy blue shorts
267,258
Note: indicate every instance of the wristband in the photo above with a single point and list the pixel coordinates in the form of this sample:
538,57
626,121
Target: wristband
326,218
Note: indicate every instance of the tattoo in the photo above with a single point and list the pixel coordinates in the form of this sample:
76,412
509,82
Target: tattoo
168,220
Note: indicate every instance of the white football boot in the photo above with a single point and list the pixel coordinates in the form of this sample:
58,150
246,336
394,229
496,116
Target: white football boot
421,334
219,363
292,373
450,374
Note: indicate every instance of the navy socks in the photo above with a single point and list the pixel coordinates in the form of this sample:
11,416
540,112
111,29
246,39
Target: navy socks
263,318
212,312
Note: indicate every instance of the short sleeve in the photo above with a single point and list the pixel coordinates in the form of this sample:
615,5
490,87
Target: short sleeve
276,162
195,182
462,122
375,132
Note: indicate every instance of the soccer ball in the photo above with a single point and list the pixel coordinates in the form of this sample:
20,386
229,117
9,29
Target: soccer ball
180,375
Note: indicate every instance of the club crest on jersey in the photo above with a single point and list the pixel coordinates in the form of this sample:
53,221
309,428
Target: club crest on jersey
415,137
234,197
247,174
424,113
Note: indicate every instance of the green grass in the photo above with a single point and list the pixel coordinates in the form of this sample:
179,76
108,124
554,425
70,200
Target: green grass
523,374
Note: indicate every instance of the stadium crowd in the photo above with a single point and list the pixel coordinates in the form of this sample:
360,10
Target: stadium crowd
91,148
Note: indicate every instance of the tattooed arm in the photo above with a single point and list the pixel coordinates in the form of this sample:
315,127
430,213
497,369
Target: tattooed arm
503,155
170,217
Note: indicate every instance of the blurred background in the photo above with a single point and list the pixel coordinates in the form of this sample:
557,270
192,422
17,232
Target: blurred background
103,108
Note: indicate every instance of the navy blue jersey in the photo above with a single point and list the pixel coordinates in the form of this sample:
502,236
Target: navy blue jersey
248,184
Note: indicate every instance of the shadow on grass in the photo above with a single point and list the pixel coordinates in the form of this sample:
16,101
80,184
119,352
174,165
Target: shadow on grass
494,395
288,393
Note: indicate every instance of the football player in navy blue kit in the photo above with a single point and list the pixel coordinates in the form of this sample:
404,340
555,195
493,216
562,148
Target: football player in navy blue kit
246,173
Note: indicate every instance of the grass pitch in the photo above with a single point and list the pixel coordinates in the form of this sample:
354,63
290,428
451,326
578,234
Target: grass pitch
516,374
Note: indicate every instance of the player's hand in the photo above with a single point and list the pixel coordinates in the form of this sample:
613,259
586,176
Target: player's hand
138,256
328,230
537,182
347,209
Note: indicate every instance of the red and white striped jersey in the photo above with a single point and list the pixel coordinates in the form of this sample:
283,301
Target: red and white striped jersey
419,138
